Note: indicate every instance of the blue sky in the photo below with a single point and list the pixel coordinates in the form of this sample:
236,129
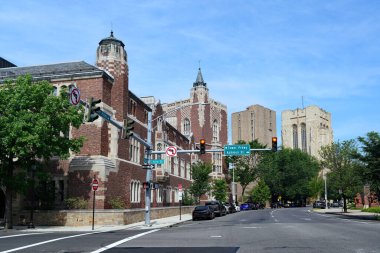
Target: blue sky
271,53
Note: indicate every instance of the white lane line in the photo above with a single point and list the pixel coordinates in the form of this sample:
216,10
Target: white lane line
252,227
49,241
112,245
215,236
1,237
305,219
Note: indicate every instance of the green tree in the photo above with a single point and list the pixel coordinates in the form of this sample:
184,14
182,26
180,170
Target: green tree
316,187
344,169
201,177
246,167
219,190
33,126
261,193
288,173
370,156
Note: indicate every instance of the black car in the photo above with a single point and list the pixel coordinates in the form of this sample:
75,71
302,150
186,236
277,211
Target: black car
203,212
218,207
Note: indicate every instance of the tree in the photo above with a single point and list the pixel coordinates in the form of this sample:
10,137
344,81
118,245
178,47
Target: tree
219,190
370,156
33,127
288,173
201,177
316,187
261,193
344,168
246,167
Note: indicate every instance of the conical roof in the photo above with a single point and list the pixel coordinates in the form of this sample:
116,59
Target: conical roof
199,81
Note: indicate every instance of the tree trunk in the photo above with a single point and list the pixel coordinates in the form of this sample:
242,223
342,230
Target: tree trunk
344,203
242,193
8,197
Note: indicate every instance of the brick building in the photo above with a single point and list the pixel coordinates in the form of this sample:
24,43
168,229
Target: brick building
115,162
201,117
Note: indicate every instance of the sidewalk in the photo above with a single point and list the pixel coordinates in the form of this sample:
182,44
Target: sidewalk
154,224
354,214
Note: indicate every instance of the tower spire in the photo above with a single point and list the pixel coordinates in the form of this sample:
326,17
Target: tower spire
199,81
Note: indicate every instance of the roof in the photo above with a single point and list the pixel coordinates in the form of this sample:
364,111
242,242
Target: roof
199,80
5,64
53,71
111,39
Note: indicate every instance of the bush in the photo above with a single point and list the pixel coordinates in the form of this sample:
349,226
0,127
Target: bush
187,199
76,203
116,203
372,209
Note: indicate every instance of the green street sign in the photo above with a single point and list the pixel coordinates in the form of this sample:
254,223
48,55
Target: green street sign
158,161
244,149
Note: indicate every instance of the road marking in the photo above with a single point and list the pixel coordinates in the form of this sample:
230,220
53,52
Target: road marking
252,227
45,242
1,237
112,245
215,236
305,219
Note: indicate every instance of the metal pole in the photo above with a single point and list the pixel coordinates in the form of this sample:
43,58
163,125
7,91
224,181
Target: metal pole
148,171
325,177
93,211
180,204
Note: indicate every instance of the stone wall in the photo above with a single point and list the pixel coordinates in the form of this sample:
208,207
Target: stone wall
102,217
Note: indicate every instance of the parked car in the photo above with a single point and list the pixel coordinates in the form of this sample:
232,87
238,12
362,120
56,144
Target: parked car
319,204
218,208
203,212
245,207
231,207
335,204
237,208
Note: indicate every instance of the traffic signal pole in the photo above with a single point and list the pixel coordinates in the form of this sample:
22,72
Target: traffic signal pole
149,170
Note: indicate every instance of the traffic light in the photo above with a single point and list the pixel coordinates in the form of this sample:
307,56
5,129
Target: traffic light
91,114
128,127
274,144
146,185
202,145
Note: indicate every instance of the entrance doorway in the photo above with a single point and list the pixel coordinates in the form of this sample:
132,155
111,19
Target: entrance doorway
2,204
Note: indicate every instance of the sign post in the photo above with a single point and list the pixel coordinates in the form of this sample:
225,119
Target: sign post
95,185
180,199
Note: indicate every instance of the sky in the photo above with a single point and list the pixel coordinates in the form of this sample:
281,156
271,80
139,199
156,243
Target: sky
282,55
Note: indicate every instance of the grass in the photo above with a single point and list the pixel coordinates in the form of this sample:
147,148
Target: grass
372,209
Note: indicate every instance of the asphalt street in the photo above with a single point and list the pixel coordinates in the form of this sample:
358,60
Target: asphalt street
269,230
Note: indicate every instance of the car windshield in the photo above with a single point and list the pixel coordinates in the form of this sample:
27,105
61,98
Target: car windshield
201,208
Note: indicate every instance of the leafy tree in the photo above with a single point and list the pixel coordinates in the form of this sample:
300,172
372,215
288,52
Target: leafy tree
344,168
201,177
246,167
261,193
33,126
370,156
288,173
316,187
219,190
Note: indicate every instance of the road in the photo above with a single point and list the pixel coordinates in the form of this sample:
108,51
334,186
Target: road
270,230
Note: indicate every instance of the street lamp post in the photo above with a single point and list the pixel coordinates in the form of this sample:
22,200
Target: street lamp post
325,179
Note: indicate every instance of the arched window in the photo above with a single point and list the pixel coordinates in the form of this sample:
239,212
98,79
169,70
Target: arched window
186,126
295,137
215,131
303,137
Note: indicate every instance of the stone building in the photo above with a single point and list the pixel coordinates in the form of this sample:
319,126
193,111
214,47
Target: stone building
256,122
307,129
201,117
115,162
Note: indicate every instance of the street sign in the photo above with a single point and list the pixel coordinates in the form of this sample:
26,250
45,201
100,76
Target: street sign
171,151
180,187
158,161
95,184
244,149
180,194
74,96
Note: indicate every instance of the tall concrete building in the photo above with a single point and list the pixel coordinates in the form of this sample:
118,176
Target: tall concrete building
257,122
307,129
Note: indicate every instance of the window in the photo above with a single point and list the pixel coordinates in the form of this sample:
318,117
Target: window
169,195
182,165
134,151
175,172
215,131
176,199
295,137
303,137
188,174
186,126
159,195
135,191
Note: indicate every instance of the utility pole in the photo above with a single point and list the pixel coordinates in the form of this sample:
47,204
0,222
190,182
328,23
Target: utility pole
149,170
